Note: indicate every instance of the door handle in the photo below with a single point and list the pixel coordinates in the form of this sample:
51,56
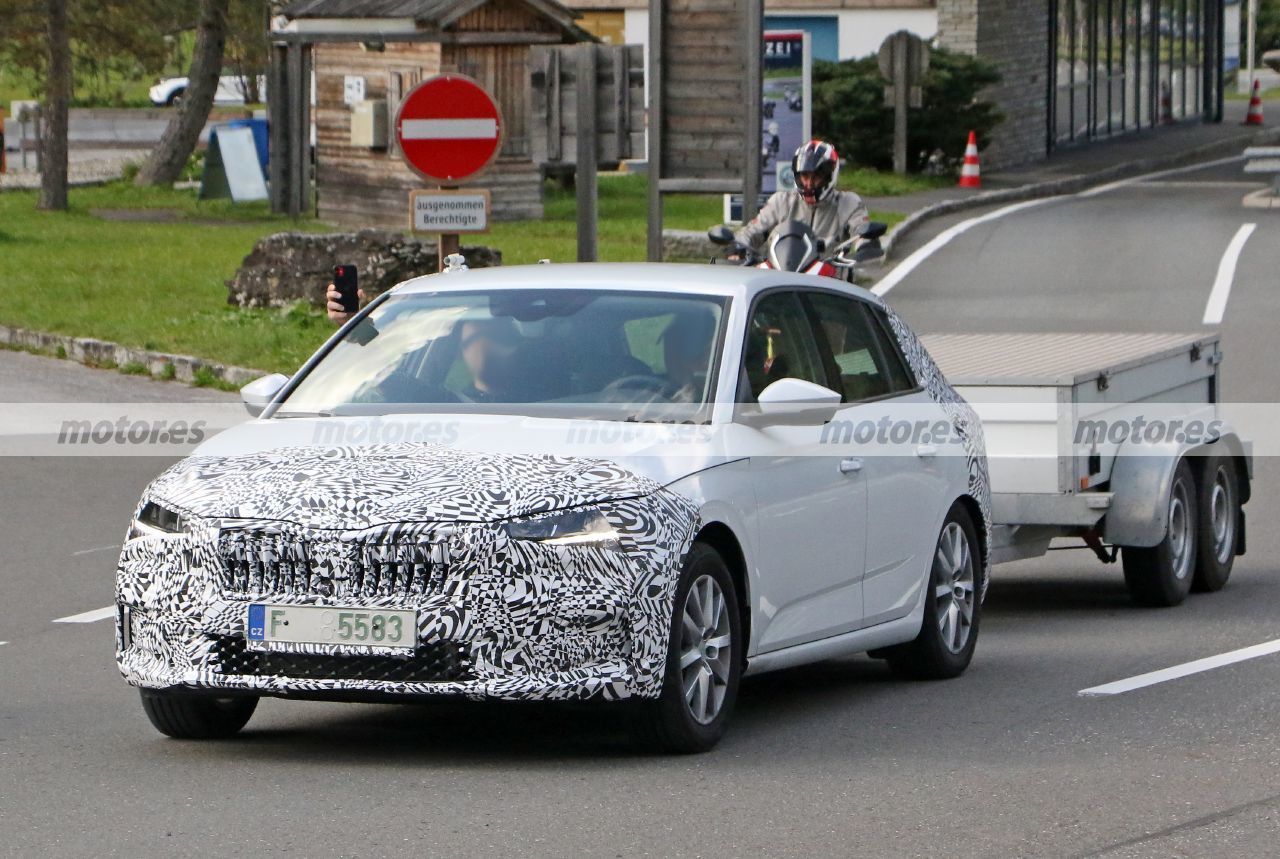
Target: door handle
852,465
926,451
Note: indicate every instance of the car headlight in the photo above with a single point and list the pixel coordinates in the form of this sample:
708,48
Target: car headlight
154,520
587,527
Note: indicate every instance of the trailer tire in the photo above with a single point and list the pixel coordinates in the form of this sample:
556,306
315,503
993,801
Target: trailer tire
1218,503
1160,576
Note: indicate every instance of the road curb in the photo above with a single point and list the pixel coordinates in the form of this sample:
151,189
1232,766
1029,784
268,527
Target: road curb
105,354
1078,183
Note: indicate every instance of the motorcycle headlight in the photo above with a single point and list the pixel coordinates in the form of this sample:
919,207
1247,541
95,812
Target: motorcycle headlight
587,527
155,520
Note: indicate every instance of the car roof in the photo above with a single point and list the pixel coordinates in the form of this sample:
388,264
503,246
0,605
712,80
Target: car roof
718,280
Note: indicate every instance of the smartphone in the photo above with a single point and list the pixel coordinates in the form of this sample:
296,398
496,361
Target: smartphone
345,280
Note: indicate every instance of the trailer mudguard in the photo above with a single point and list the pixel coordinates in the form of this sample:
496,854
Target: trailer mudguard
1140,481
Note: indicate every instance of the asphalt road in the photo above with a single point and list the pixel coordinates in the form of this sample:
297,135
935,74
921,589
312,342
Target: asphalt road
835,759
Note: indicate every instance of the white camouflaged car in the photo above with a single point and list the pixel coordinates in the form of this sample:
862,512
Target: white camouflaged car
627,483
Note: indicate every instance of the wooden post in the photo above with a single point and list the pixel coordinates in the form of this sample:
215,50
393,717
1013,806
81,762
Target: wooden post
278,130
446,244
298,131
654,155
585,178
901,96
753,94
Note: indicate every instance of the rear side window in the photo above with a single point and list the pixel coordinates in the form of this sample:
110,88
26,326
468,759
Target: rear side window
857,349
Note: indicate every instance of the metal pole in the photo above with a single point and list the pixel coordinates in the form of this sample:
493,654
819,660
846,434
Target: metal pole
585,177
1252,39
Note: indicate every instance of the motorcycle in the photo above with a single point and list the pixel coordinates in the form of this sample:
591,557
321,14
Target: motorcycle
794,247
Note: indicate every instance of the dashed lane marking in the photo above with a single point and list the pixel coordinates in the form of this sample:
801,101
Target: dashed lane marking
89,616
1185,669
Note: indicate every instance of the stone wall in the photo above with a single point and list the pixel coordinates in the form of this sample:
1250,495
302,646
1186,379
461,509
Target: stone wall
1014,35
287,267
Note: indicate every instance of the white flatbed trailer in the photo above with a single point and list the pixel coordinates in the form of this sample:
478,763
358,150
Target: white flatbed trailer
1058,410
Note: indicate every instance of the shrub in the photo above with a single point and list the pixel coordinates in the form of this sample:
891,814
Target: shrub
849,109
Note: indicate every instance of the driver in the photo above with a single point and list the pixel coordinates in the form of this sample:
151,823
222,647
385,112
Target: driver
832,214
686,350
486,347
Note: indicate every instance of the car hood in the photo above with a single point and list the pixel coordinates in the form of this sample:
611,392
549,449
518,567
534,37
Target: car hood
274,469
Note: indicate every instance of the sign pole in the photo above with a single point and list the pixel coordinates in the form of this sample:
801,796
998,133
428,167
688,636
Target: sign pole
585,175
447,243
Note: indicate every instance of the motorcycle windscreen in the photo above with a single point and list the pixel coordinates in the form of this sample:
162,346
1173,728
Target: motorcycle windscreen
793,247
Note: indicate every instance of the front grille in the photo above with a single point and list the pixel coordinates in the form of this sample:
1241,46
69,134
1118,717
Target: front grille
430,663
255,562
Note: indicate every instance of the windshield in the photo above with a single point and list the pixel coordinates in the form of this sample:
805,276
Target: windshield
561,352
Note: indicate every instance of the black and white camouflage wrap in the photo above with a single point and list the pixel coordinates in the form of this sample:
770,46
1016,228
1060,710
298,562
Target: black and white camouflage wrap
963,419
532,621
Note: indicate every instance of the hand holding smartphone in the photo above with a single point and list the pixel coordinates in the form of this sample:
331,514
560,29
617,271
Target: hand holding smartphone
346,281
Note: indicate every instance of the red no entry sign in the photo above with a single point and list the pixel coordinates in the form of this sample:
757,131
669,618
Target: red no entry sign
448,128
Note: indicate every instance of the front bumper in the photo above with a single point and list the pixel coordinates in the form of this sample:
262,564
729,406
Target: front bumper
497,617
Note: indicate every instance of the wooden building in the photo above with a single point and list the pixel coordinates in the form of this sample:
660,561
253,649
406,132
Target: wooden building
365,55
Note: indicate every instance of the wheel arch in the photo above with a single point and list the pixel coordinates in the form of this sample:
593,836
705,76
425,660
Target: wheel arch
982,528
720,537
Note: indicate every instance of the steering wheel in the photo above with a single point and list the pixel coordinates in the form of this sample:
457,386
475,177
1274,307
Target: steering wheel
645,383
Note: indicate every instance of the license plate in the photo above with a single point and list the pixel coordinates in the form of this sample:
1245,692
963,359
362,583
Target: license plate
308,624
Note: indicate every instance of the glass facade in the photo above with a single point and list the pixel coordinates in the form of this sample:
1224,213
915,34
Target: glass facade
1123,65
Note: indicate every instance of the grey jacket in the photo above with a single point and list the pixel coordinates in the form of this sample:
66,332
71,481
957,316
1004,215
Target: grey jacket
832,220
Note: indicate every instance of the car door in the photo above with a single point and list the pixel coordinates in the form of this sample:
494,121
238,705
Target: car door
904,461
811,505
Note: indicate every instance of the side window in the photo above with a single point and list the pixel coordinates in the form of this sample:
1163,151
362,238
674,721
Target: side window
856,350
779,345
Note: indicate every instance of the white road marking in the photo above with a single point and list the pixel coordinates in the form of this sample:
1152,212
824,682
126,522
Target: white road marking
95,549
944,238
449,129
3,643
1216,307
89,616
1207,664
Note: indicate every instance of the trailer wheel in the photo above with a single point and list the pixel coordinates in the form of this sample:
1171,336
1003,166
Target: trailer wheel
1161,575
1219,518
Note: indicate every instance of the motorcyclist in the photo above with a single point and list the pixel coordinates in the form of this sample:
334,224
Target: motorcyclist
832,214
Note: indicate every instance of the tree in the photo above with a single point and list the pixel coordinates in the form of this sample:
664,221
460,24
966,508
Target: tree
249,44
55,116
165,164
849,109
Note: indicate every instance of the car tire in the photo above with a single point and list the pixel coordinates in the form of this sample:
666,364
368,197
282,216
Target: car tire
1160,576
706,635
1218,515
175,97
952,609
196,717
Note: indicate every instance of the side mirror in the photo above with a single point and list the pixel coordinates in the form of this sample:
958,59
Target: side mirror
872,230
794,402
720,235
259,393
868,252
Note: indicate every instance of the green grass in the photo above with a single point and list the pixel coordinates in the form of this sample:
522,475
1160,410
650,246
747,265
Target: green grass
874,183
149,285
161,286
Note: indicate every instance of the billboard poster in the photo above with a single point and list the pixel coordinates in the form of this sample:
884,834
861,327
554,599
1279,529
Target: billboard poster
785,112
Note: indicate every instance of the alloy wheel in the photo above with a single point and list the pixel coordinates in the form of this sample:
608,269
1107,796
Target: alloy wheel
706,649
954,592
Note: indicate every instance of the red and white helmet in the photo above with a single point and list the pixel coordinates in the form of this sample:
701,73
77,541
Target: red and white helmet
817,157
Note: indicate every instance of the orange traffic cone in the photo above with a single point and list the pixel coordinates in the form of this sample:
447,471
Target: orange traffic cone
1254,117
970,173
